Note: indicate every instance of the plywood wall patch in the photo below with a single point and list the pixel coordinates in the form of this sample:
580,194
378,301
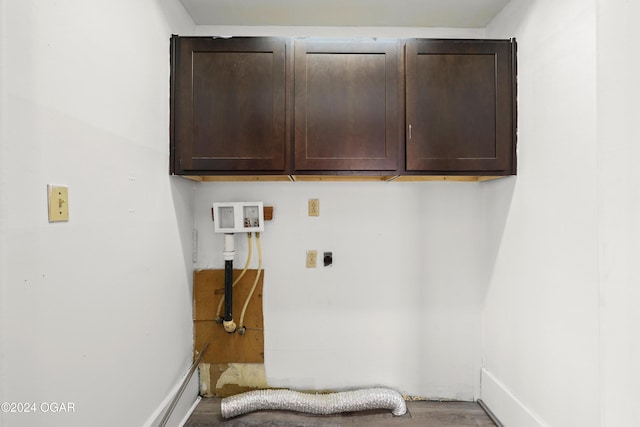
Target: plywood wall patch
208,289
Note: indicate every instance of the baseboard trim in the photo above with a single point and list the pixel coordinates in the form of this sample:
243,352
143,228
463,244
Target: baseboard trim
189,397
505,405
490,413
189,412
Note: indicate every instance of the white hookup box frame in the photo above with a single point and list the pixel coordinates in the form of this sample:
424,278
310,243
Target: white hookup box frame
238,217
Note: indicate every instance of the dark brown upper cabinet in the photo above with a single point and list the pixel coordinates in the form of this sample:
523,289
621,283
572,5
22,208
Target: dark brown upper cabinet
228,106
369,107
460,107
347,106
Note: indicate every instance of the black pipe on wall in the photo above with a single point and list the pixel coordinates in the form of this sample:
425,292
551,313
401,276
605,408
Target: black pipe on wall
228,290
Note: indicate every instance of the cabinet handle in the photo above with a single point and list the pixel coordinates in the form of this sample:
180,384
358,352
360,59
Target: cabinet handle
409,131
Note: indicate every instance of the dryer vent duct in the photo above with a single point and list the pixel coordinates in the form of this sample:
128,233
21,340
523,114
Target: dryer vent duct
317,404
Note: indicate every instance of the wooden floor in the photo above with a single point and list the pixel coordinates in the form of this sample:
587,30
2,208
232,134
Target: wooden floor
432,414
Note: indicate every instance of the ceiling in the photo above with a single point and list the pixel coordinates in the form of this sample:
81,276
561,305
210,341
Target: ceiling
352,13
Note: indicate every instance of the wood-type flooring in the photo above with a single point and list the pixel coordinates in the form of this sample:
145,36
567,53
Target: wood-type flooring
420,413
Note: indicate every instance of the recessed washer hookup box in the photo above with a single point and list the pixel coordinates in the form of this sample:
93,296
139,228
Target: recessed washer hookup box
238,217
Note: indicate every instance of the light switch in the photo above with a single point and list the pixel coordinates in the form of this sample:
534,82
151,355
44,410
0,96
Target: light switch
58,203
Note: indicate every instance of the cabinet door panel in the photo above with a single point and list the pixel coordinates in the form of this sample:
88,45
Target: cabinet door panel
346,106
459,106
231,105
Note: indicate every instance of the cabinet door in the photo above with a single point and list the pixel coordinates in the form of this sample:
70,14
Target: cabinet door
460,115
229,105
346,110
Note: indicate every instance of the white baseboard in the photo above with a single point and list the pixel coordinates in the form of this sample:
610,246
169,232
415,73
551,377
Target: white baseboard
188,414
183,409
506,406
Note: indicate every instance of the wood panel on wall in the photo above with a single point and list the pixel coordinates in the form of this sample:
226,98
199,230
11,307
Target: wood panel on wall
208,290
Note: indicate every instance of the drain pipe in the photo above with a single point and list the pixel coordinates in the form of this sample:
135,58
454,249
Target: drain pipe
317,404
229,252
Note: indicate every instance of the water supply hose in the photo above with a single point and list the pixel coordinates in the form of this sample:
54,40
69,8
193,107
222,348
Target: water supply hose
255,282
318,404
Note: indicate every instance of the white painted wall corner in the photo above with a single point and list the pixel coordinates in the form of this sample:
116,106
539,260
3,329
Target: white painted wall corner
505,405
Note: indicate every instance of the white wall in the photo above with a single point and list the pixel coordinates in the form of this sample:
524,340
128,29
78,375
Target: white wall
541,318
400,306
619,210
96,311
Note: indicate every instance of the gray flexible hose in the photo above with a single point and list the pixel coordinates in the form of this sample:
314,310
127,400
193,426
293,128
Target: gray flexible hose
318,404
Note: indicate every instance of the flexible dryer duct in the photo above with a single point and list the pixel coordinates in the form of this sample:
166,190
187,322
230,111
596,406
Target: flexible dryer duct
318,404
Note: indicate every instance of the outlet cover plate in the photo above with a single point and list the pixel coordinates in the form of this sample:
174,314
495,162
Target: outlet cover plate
314,207
312,259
